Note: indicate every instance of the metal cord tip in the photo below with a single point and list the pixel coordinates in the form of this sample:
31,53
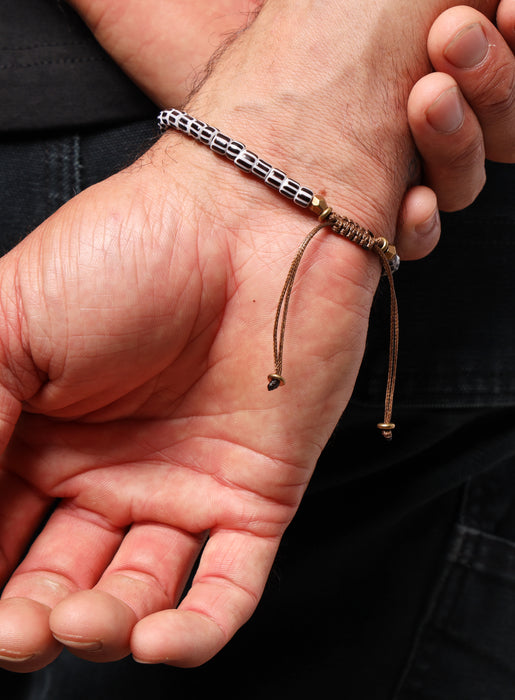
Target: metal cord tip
274,381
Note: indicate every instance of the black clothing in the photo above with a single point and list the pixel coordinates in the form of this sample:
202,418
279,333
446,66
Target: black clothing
396,579
53,74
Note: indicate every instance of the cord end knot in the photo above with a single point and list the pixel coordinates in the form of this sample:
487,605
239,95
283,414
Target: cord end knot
386,429
275,381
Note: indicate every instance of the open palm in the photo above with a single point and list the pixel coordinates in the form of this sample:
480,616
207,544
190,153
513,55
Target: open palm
138,344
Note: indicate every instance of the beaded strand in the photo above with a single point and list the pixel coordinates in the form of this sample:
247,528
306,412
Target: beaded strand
238,153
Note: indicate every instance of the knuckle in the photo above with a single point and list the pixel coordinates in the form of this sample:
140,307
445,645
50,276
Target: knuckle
463,176
468,157
495,94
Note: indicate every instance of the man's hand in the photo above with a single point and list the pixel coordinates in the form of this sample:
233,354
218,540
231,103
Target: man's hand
466,111
136,340
459,116
166,63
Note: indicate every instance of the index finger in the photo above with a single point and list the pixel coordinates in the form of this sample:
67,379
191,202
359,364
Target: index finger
465,45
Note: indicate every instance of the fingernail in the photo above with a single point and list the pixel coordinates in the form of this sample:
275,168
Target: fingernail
429,225
446,114
8,657
468,48
80,646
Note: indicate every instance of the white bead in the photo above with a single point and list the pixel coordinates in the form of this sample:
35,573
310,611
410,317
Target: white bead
234,149
289,188
237,152
220,143
275,178
303,197
196,127
245,160
184,122
207,134
395,263
261,168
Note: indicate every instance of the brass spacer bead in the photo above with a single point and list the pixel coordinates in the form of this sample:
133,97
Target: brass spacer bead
325,214
386,426
386,247
318,205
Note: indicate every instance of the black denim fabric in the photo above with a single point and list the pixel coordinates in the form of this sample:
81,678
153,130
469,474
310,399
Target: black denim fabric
457,345
53,73
40,173
464,646
396,579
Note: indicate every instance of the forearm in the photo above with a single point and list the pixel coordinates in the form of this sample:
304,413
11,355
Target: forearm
321,89
163,45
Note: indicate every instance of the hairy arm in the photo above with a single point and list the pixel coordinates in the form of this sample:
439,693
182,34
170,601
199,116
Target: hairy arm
164,45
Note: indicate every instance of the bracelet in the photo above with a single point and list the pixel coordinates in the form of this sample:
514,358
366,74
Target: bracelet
250,163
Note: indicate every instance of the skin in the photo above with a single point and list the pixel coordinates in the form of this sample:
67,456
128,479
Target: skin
149,417
452,137
453,157
167,66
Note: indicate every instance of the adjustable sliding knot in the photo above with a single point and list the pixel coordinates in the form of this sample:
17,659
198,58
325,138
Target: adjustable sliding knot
349,229
249,162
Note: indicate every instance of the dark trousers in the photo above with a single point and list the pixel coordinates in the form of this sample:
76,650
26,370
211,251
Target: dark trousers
396,580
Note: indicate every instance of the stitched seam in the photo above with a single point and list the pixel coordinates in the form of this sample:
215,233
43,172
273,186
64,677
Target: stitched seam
57,61
419,659
50,44
76,164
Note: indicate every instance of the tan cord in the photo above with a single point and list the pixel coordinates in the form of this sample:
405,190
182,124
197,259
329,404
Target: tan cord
386,252
275,380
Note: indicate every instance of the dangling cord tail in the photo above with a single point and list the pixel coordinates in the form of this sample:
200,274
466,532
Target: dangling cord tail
389,261
276,380
251,163
387,426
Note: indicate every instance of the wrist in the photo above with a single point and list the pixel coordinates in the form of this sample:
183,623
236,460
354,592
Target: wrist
326,101
316,115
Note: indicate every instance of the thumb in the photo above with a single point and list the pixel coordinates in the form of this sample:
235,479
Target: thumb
10,409
22,507
19,377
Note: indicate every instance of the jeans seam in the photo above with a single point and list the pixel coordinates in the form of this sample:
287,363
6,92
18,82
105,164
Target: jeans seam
64,171
76,164
419,658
